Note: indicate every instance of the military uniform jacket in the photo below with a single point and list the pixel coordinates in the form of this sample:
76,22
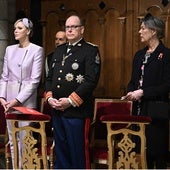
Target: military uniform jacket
79,72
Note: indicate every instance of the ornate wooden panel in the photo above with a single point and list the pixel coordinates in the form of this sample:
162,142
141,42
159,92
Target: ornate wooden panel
113,26
156,8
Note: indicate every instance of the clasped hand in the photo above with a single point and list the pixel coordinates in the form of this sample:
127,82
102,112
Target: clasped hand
60,104
8,105
133,96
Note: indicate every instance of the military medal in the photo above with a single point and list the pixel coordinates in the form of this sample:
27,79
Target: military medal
64,58
75,66
97,59
53,64
63,61
69,77
80,78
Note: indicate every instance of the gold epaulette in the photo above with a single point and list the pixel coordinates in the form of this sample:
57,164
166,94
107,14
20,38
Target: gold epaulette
92,44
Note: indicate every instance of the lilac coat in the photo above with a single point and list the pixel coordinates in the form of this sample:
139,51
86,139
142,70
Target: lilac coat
22,73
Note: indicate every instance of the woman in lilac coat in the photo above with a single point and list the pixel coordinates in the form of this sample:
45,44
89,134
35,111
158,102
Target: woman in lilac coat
21,72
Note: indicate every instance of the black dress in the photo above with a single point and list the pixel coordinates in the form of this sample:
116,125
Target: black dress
156,87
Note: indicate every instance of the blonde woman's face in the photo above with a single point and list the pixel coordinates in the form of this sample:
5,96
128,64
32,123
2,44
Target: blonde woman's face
20,31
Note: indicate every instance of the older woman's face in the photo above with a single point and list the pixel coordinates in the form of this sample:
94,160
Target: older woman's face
146,34
20,31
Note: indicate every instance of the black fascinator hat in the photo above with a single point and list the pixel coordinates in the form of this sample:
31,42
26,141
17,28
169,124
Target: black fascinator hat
155,23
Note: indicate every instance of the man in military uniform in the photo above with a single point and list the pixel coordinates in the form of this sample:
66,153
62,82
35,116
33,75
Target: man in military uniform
71,81
60,38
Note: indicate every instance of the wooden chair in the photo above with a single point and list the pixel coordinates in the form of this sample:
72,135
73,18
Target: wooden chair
129,150
98,144
45,109
30,157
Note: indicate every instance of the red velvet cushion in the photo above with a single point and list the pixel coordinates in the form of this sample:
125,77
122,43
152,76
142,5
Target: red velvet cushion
125,118
26,110
27,114
40,117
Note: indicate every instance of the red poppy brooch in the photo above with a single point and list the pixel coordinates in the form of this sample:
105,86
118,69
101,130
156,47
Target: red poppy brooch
160,56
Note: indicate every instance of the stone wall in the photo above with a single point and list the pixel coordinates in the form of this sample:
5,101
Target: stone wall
7,17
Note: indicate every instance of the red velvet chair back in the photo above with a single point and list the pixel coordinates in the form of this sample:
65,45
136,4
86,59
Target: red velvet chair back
45,108
112,106
99,131
109,106
2,121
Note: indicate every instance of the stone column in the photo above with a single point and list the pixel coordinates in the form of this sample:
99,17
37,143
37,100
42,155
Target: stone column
7,16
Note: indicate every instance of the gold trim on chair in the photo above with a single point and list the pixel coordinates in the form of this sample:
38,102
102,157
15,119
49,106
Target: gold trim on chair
122,154
30,155
99,147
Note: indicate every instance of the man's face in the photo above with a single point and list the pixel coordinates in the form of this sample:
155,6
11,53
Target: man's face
60,38
74,30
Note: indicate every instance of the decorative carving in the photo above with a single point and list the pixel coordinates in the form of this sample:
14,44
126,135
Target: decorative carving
30,158
107,24
127,158
122,20
140,18
122,144
101,20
